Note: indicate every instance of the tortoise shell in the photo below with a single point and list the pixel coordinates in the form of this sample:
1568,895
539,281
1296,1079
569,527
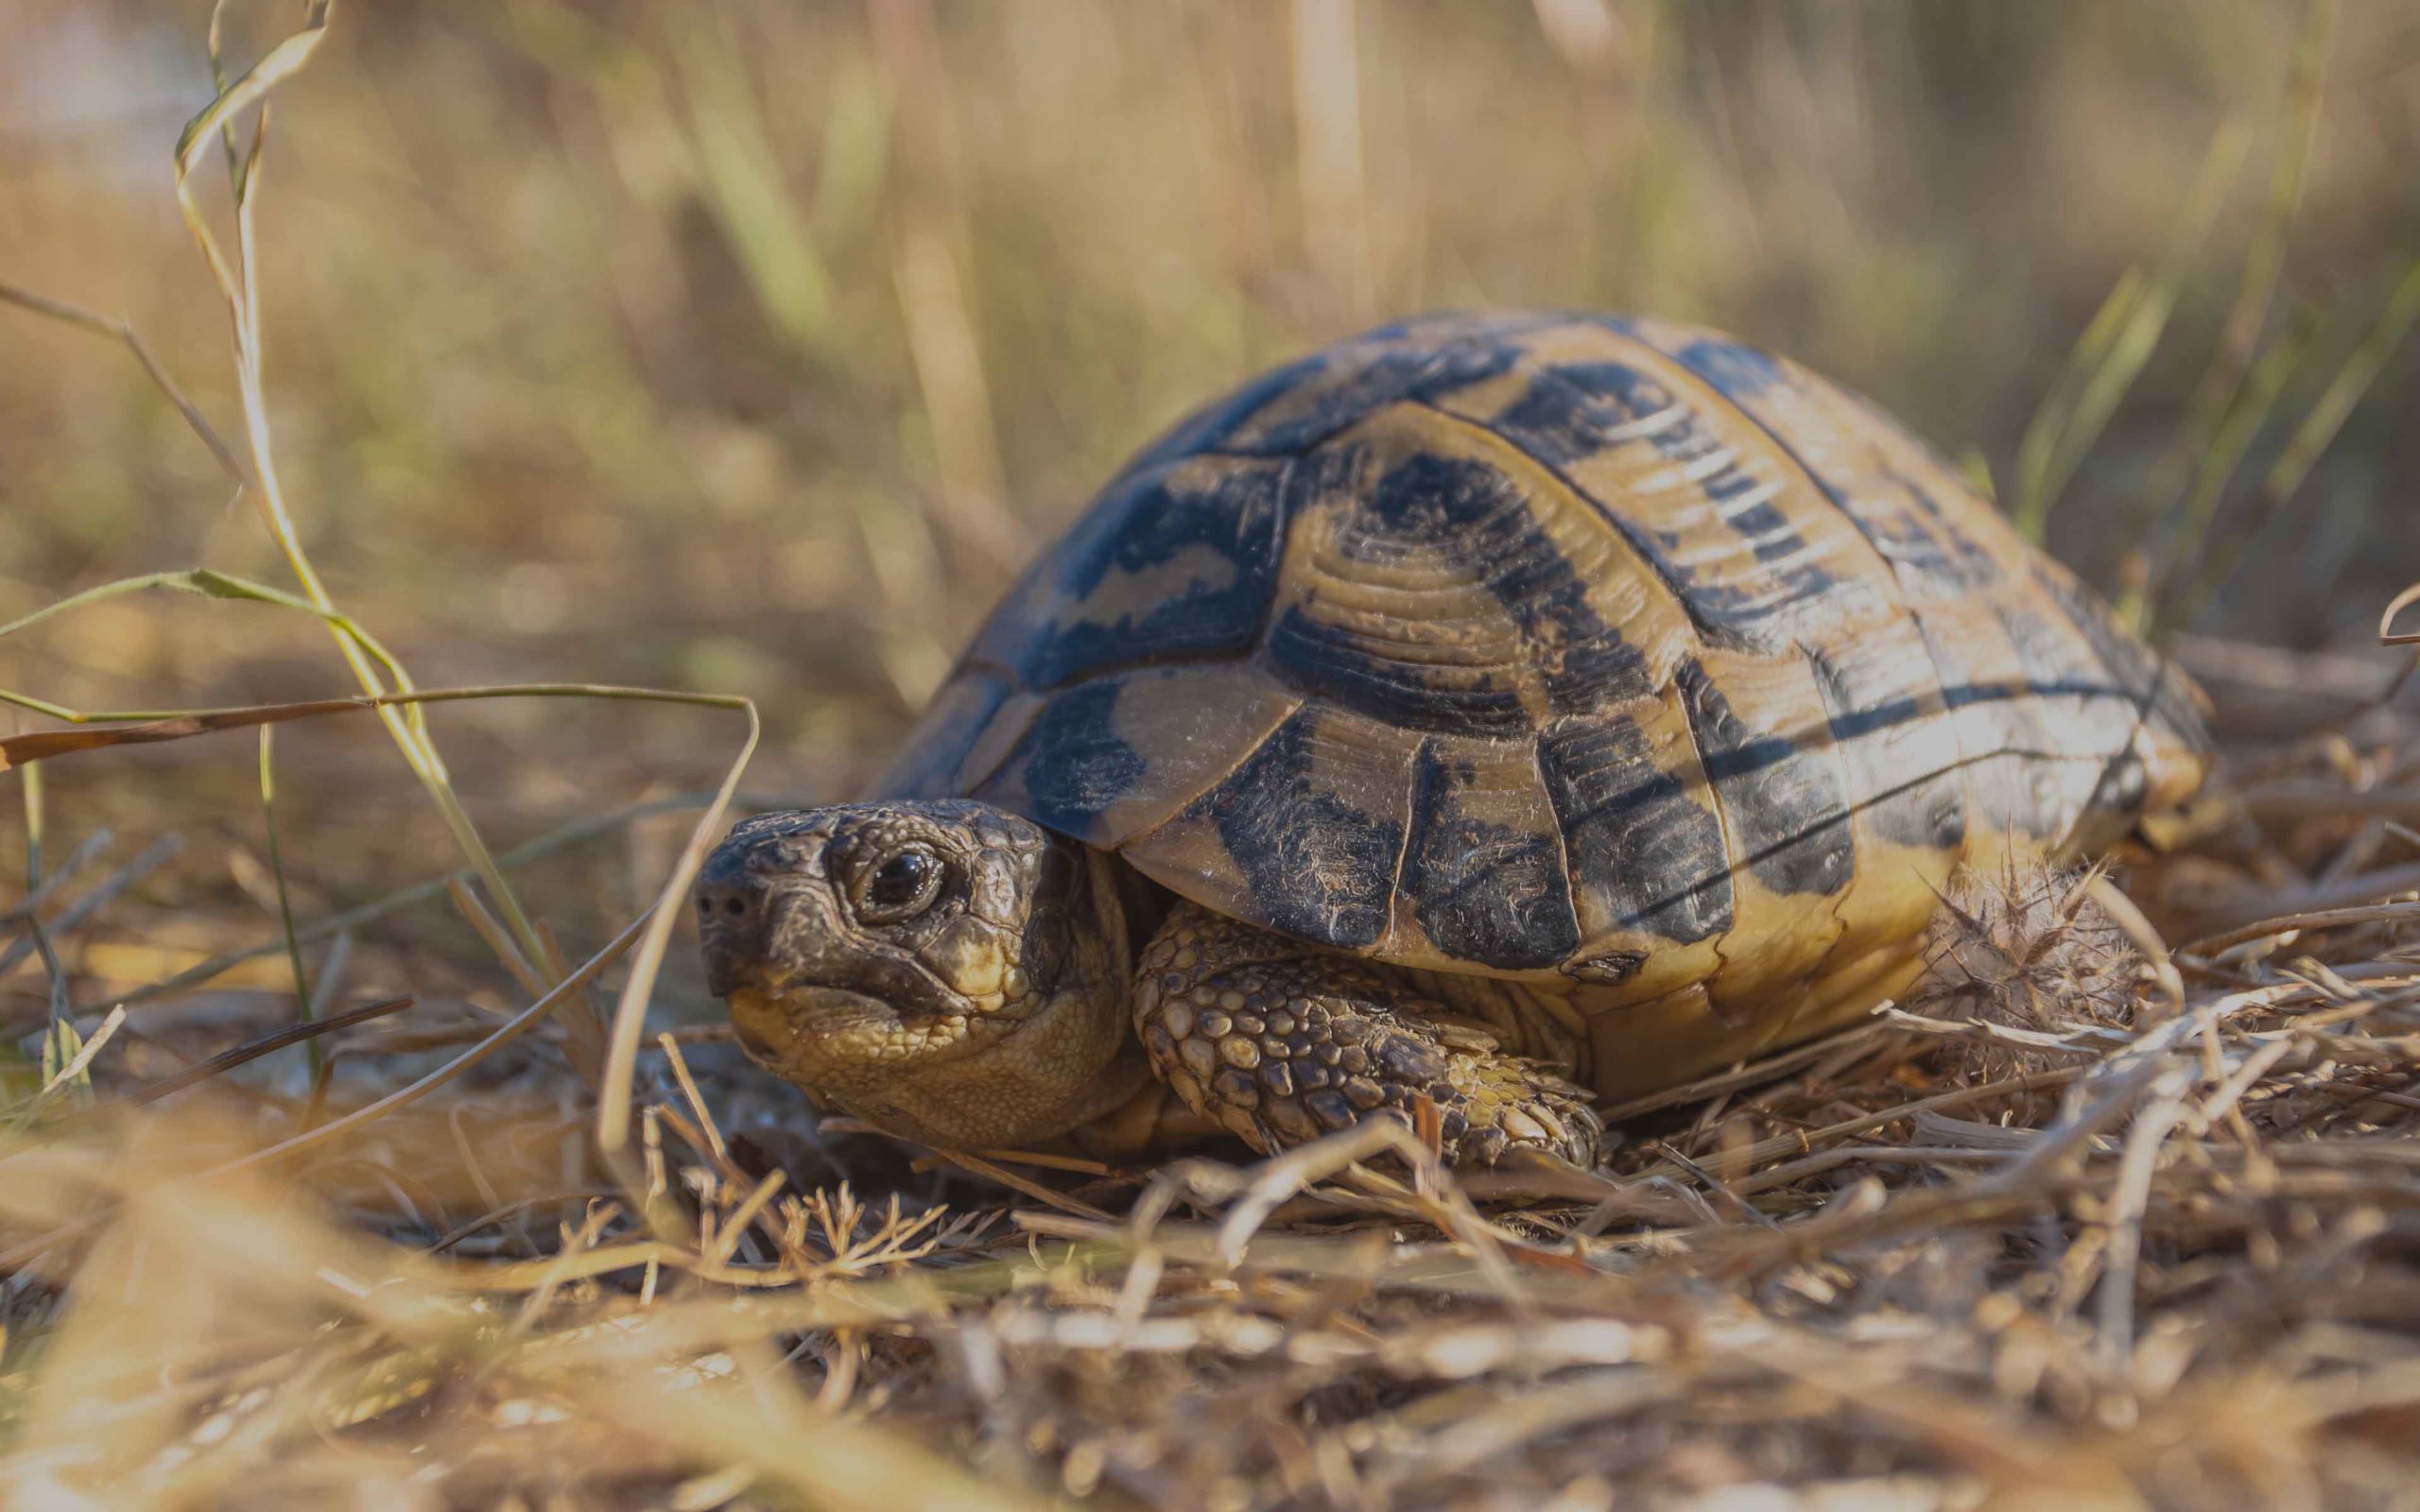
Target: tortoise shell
1562,648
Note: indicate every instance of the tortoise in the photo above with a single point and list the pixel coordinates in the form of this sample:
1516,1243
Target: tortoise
1500,711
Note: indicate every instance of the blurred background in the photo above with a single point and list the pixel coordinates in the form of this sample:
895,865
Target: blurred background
751,347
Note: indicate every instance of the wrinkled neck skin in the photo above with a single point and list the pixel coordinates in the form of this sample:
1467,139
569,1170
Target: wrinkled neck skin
1057,1050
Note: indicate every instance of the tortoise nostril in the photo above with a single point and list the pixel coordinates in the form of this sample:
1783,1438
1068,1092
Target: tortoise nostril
726,903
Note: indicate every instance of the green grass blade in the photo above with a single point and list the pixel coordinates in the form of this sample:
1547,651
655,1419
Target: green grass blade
2229,403
240,290
36,820
285,898
2031,508
2219,456
764,221
2116,346
2310,441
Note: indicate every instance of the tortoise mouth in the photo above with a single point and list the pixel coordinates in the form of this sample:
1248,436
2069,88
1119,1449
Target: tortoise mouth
805,1030
816,1005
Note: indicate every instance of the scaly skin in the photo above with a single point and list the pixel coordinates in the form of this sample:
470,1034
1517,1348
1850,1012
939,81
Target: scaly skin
997,1001
1280,1043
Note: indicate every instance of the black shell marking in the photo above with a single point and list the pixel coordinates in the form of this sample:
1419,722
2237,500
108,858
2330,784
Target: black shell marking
1479,887
1322,866
1789,819
1644,849
1438,506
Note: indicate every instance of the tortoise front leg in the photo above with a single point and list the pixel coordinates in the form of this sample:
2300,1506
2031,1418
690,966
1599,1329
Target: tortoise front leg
1281,1042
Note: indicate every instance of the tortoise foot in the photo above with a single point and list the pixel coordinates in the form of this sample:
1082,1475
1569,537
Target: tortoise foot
1280,1043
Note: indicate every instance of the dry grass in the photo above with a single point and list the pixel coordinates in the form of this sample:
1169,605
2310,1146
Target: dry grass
2115,1257
2066,1231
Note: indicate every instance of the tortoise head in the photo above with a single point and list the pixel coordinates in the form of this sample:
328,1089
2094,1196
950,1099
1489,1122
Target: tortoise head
943,969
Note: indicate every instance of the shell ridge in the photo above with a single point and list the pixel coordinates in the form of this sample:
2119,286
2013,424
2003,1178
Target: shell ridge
1752,758
2112,793
1657,560
1562,836
1866,531
1281,537
1751,560
1417,782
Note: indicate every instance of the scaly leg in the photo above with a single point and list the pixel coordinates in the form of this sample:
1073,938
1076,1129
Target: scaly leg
1281,1042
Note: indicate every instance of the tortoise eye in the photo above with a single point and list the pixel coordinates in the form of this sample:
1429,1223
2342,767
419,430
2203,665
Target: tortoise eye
902,886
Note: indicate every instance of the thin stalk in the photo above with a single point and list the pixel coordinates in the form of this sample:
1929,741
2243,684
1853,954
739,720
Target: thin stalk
621,1052
302,1003
36,812
120,332
240,288
585,828
180,724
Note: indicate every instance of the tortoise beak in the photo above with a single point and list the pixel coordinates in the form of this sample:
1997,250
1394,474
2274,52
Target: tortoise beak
728,969
733,907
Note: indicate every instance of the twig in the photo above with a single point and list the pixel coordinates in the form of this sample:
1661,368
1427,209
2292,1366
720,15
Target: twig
253,1049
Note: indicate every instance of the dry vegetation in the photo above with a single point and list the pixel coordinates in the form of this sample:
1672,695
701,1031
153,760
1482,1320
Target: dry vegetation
746,349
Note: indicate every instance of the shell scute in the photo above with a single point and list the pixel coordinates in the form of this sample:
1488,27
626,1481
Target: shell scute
1882,482
1107,760
1650,867
1437,579
1761,731
1174,562
1745,539
1298,406
1484,876
1309,827
1898,743
1907,784
962,714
